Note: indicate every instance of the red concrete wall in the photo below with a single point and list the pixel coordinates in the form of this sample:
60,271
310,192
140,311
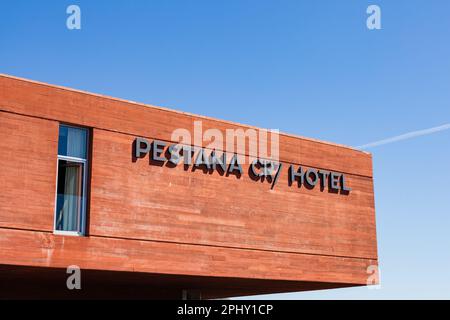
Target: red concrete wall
28,146
167,220
136,200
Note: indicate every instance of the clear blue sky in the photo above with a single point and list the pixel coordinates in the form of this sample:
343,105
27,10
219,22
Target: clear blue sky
305,67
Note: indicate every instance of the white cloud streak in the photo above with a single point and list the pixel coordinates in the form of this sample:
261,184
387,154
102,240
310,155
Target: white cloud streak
405,136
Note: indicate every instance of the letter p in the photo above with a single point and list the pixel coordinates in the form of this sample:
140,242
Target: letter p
141,147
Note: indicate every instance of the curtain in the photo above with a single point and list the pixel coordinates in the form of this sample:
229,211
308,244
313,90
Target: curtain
71,198
76,142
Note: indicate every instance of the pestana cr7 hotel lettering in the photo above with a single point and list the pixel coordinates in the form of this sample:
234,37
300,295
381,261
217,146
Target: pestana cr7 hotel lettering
259,169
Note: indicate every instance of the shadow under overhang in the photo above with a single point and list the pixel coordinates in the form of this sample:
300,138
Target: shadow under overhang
23,282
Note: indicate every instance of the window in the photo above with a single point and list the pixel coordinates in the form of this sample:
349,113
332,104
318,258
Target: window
70,211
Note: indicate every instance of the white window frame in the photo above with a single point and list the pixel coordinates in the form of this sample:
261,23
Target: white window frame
82,216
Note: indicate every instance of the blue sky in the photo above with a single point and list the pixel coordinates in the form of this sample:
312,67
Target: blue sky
305,67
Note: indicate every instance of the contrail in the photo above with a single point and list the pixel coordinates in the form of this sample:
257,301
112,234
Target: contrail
405,136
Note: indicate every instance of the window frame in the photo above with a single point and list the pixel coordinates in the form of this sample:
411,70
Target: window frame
82,217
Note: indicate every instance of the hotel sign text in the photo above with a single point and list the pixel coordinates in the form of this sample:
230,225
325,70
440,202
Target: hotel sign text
259,169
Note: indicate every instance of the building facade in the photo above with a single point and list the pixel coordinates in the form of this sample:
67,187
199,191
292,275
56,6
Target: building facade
94,182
